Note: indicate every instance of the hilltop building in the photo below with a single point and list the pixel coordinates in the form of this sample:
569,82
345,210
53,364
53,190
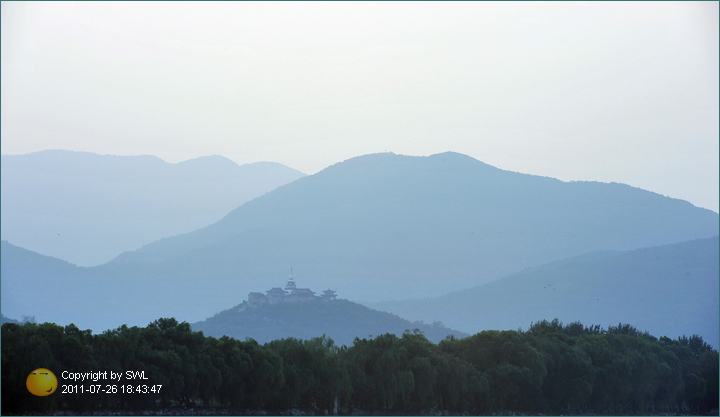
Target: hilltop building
291,294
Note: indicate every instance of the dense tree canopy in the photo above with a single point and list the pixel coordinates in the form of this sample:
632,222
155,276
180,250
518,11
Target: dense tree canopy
550,368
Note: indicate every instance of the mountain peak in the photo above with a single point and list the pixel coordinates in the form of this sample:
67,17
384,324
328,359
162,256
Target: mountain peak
209,160
88,208
393,159
384,226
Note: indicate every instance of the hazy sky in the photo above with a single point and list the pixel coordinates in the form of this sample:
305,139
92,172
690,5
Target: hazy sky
624,92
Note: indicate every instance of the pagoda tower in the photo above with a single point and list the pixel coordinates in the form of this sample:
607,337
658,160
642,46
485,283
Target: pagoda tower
290,287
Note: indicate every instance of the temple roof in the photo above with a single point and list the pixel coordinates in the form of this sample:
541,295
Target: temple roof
276,291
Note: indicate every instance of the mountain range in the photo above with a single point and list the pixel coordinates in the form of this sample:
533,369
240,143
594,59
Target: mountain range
670,290
374,228
87,208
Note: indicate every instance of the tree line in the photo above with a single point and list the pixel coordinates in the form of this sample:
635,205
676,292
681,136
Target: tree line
550,368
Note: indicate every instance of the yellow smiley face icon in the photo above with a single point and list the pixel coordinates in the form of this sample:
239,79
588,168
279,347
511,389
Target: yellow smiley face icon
41,382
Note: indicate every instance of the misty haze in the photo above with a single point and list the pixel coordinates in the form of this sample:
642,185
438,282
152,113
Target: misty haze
360,208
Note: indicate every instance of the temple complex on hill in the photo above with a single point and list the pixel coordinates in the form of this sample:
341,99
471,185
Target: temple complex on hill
290,294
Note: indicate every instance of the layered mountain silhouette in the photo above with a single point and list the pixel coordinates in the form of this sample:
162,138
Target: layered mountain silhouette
340,320
4,320
668,290
87,208
375,228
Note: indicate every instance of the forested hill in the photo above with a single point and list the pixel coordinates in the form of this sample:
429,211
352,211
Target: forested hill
340,320
666,290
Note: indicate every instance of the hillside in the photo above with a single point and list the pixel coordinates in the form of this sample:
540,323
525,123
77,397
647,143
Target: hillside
374,228
45,287
87,208
668,290
4,320
384,227
340,320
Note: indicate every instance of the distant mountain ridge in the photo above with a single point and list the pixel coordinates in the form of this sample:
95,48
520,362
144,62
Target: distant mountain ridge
667,290
375,228
87,208
4,320
447,215
340,320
